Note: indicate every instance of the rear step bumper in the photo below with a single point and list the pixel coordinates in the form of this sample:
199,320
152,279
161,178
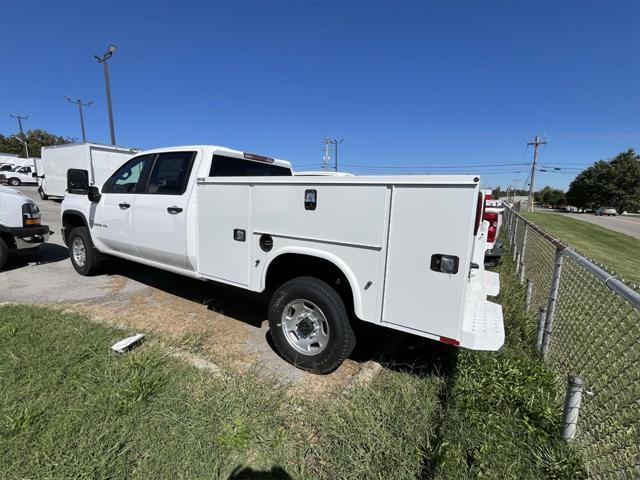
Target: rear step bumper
483,326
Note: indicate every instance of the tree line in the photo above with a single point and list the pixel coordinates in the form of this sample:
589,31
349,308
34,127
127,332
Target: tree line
36,139
611,183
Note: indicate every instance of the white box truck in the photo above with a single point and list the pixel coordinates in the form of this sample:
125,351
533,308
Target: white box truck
404,252
99,160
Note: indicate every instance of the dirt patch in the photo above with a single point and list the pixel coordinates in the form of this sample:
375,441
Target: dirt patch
221,325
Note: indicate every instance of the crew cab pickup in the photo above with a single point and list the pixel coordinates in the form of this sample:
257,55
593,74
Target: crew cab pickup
404,252
20,228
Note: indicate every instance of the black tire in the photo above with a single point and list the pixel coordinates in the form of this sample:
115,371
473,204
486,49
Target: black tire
42,194
14,182
4,253
341,338
91,263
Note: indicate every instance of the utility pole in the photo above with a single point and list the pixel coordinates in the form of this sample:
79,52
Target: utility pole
22,135
335,143
536,143
103,60
326,157
80,105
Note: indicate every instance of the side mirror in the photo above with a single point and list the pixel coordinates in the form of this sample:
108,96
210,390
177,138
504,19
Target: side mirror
94,194
34,175
77,181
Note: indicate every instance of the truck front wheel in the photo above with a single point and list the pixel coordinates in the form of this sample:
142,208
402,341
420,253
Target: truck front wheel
84,258
310,326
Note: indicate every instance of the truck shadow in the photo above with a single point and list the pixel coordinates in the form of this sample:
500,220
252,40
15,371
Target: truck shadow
242,305
47,253
403,352
395,350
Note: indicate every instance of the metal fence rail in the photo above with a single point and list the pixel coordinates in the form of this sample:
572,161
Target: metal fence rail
588,329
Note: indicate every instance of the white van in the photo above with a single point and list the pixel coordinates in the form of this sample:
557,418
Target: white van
99,160
20,228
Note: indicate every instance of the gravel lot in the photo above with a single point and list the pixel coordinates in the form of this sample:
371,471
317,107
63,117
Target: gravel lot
223,324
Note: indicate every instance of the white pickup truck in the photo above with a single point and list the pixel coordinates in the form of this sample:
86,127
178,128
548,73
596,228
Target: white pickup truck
20,228
403,252
19,176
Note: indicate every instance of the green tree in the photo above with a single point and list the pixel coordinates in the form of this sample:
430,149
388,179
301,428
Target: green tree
550,196
613,183
36,139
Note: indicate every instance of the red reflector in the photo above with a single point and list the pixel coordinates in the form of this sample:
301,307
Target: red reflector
449,341
491,217
491,234
479,208
487,196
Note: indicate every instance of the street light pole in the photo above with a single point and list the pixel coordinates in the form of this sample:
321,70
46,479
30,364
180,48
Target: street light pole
103,60
22,135
80,105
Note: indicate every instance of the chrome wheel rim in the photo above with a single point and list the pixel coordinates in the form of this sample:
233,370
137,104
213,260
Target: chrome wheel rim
305,327
79,252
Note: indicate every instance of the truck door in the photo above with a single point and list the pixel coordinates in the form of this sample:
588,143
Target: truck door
224,232
426,224
159,223
110,218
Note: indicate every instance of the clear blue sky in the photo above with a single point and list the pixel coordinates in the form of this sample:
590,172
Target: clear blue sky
406,84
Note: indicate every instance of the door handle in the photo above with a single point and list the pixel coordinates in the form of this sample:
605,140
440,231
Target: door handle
174,210
124,206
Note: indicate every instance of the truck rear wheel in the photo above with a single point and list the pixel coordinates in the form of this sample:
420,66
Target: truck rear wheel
84,258
14,182
310,326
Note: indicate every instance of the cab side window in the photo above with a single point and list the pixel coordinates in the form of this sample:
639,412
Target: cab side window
170,173
129,176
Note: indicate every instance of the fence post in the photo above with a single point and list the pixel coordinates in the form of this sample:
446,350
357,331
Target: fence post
551,304
572,401
522,252
527,298
541,321
514,239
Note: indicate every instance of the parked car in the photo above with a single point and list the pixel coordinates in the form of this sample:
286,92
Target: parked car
493,213
329,249
609,211
20,228
19,176
99,160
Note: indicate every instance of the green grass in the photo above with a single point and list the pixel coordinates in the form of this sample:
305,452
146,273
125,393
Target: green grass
71,408
618,251
503,412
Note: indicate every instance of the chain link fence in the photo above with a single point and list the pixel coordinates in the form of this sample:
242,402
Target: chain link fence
588,325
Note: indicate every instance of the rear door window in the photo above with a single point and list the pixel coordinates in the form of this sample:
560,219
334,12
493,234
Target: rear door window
170,173
222,166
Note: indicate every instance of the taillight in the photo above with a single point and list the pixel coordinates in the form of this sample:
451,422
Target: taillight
478,213
491,234
491,217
